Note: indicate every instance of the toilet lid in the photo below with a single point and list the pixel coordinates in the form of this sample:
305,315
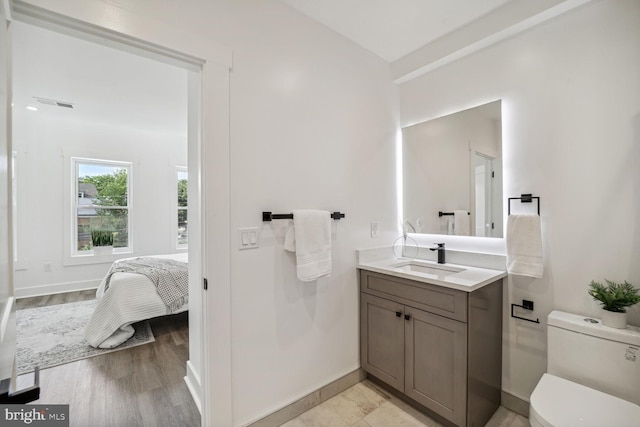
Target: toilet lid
558,402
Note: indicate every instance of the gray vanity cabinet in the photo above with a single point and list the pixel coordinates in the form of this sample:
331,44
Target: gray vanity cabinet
435,363
418,339
382,337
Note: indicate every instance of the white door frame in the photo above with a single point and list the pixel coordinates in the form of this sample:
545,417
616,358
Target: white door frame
209,66
7,295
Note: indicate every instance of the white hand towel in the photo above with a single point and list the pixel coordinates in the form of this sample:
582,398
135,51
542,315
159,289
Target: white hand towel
312,243
461,223
524,245
290,239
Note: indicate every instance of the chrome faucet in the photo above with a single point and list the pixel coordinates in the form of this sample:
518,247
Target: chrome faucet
441,254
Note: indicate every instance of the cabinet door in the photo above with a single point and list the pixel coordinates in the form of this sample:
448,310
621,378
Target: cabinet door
382,339
436,363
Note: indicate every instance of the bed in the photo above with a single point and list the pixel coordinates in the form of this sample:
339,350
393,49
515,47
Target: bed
129,297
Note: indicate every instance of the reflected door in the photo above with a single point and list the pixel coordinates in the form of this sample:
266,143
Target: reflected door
484,177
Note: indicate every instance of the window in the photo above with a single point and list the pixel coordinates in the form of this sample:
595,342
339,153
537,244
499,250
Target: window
183,180
102,202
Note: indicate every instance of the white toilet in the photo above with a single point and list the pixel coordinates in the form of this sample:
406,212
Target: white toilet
593,375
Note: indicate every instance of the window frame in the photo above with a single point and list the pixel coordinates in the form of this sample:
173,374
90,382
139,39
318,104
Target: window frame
177,207
73,246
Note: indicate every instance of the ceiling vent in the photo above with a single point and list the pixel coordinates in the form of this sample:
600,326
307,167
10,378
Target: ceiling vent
54,102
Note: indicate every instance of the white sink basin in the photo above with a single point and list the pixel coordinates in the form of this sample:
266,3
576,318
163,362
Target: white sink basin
428,268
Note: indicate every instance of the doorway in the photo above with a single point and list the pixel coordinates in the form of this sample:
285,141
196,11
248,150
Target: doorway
192,161
483,187
209,65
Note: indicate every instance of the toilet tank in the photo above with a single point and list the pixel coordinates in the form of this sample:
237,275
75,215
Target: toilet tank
594,355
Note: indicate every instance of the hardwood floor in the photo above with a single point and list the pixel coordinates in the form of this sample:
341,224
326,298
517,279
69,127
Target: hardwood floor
46,300
140,386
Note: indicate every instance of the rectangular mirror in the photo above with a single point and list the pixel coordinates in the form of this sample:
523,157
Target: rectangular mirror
452,173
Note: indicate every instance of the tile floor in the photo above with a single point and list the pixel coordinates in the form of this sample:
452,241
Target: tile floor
366,405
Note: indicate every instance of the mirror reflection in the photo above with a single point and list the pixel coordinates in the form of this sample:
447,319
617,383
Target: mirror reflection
452,173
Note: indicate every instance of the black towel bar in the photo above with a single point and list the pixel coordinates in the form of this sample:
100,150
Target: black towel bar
268,216
524,198
527,305
440,213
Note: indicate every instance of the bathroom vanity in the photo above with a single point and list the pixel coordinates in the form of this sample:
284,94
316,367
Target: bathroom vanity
434,334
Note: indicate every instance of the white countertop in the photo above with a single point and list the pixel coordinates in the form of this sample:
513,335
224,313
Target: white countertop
469,279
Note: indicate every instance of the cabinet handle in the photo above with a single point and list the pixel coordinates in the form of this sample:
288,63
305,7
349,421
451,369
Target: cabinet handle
398,313
407,317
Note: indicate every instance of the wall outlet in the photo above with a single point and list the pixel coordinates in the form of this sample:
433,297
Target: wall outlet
48,266
375,229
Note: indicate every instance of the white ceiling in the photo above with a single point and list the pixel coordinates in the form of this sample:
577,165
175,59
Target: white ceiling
111,86
105,85
394,28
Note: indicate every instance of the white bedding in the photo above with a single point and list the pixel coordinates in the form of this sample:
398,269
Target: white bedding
130,298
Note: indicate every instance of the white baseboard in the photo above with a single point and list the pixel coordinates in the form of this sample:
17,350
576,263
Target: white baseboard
57,288
194,385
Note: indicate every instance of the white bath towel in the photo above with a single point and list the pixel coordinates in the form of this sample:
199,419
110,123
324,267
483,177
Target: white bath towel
290,239
461,222
310,238
524,245
450,225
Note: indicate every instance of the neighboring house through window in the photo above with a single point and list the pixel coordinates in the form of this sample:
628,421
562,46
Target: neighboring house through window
102,202
183,180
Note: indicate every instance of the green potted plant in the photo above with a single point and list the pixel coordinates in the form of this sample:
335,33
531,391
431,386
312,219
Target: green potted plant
614,298
102,241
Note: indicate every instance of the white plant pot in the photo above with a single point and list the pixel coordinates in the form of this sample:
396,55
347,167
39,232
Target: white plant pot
613,319
102,250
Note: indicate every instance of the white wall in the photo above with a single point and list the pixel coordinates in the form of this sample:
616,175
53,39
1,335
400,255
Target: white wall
571,120
44,145
313,125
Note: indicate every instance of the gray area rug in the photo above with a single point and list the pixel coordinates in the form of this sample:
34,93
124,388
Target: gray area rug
54,335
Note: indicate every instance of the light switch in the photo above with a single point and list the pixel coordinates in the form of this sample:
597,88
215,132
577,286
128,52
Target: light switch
248,238
375,228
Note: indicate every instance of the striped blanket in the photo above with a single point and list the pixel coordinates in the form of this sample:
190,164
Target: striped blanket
170,277
139,289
